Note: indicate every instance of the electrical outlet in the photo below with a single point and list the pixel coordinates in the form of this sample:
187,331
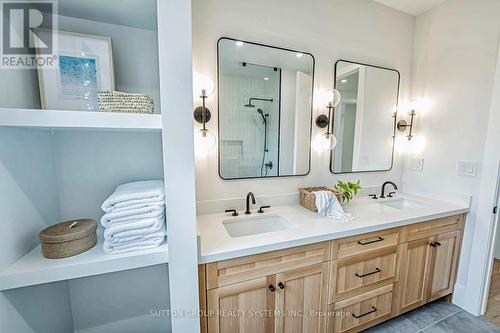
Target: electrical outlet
467,168
416,164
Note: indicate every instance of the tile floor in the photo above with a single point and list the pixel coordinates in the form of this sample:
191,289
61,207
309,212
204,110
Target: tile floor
493,309
437,317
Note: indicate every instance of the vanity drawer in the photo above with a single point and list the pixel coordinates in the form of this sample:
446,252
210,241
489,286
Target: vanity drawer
355,275
433,228
364,243
360,312
236,270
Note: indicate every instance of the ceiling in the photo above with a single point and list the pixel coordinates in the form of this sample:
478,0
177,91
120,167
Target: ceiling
413,7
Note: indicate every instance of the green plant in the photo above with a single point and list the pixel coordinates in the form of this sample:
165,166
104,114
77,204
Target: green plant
349,190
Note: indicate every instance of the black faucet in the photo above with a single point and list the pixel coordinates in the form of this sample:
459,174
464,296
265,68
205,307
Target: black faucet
382,194
249,195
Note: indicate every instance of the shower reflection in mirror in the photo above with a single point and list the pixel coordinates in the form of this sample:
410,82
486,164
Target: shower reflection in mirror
265,110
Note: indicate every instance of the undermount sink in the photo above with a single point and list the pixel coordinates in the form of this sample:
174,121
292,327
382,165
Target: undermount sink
403,204
252,225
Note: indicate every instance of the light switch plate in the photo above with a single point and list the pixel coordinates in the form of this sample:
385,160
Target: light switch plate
416,164
467,168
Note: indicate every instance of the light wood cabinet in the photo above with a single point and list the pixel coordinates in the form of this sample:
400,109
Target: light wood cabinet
362,311
242,307
301,299
446,248
414,271
428,269
341,286
363,272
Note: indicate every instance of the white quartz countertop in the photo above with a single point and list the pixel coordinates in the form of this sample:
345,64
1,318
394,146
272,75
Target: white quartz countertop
308,227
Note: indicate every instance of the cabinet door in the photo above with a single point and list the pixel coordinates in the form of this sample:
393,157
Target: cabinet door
301,296
444,265
414,272
245,307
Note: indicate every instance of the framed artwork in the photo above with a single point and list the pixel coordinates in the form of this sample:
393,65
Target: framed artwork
84,66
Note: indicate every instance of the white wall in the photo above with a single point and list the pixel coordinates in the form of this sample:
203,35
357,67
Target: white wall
90,164
359,30
121,302
454,64
29,202
43,308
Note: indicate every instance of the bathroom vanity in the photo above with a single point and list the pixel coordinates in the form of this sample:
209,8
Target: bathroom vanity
317,275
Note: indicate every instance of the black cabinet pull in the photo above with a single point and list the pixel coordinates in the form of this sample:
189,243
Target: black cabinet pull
271,287
433,244
437,243
377,270
379,239
366,313
281,285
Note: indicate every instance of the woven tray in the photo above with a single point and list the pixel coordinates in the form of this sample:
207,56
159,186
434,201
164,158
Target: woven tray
308,199
117,101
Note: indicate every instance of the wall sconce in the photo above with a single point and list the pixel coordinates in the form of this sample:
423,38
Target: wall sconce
328,141
204,140
403,125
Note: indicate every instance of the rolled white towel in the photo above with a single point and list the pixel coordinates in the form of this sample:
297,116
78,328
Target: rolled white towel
142,229
111,248
329,206
135,195
132,215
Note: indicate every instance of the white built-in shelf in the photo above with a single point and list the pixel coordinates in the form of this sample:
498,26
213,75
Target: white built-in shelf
33,269
59,119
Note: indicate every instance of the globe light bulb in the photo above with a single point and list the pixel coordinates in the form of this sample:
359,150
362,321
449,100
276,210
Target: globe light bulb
336,97
204,142
203,85
325,142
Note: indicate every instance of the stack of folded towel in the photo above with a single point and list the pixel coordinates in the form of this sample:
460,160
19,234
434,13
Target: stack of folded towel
329,206
134,218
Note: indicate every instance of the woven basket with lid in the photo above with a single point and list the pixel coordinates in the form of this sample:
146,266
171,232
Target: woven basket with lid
68,238
308,199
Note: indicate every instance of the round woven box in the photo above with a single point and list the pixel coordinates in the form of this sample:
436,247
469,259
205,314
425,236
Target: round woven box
68,238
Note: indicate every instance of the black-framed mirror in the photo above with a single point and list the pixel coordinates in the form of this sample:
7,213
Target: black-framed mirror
364,122
265,97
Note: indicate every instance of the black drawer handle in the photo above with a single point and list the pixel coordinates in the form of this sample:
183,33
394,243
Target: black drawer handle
366,313
281,285
271,287
377,270
434,244
379,239
438,244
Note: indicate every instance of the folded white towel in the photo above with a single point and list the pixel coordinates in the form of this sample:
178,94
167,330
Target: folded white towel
140,230
132,215
329,206
110,248
135,195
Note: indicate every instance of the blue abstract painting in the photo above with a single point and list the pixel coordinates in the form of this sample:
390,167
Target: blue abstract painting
78,77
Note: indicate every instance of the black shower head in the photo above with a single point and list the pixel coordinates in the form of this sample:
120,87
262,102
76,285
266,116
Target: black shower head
262,115
249,105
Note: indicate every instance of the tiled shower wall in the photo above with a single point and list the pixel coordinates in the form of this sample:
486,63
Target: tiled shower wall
242,129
